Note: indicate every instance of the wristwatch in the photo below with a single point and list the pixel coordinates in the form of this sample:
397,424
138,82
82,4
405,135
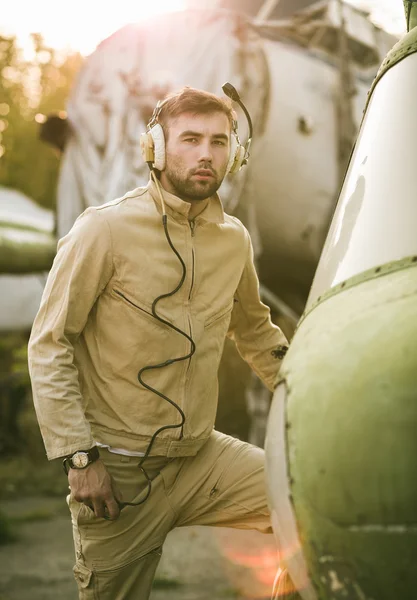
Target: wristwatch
80,459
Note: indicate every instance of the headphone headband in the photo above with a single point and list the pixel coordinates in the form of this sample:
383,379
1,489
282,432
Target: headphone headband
156,112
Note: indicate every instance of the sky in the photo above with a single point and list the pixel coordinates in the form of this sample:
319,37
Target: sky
87,22
389,14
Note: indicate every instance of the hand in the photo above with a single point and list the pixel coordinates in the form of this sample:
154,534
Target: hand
95,487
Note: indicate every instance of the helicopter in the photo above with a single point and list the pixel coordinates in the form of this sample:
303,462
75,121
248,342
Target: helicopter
341,447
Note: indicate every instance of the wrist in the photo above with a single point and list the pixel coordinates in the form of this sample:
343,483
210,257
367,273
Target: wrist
80,459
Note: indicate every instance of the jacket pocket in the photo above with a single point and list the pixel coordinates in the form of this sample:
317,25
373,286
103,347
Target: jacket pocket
139,309
218,316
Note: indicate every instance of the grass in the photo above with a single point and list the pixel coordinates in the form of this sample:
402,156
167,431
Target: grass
9,525
28,472
24,475
231,593
7,534
39,514
165,583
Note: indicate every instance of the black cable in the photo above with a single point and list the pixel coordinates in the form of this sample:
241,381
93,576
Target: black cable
162,365
171,360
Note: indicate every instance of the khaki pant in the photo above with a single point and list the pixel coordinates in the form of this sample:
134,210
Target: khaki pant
223,485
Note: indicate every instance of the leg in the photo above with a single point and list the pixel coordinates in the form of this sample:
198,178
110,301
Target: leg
128,582
223,485
117,560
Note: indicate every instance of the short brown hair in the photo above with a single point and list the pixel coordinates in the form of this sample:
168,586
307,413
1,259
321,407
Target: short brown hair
194,101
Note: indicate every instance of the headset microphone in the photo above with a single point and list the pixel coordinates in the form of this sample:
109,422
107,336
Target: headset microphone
232,93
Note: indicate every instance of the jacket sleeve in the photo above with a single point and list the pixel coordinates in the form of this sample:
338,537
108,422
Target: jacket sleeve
80,272
259,342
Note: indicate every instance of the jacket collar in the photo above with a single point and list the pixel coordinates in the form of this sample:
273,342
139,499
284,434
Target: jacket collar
213,212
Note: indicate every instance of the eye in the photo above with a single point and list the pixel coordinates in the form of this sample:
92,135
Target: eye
219,143
191,140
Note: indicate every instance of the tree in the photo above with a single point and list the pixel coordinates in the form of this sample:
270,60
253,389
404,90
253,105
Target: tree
30,89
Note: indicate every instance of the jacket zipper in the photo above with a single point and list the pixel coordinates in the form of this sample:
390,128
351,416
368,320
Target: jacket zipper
192,228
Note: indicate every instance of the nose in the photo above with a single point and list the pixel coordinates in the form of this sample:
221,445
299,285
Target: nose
206,154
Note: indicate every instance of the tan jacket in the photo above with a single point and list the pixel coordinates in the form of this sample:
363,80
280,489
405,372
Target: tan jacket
94,330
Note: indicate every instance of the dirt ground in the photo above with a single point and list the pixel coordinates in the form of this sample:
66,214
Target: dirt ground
199,563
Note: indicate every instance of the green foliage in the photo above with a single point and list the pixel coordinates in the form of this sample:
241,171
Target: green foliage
13,358
26,471
14,385
6,533
30,89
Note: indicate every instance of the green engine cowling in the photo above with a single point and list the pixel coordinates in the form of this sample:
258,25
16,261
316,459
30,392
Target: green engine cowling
25,250
341,443
350,380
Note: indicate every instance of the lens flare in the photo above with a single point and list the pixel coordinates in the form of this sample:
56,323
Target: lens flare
252,563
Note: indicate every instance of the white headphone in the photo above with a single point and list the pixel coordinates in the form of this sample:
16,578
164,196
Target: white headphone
152,145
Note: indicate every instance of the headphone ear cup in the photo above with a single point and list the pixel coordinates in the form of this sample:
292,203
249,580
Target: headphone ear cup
232,154
158,138
147,147
235,164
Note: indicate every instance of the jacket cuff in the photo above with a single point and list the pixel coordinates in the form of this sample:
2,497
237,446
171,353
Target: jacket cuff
69,450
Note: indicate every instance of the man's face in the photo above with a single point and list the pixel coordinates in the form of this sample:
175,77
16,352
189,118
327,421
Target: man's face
197,153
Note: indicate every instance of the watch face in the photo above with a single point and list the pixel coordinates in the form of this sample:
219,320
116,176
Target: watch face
80,460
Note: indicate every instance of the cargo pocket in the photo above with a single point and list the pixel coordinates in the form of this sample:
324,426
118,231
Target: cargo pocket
132,581
222,482
84,578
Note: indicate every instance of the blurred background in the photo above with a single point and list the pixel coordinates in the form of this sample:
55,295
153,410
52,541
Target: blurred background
77,86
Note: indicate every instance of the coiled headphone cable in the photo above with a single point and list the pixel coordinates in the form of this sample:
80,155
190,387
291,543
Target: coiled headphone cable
168,362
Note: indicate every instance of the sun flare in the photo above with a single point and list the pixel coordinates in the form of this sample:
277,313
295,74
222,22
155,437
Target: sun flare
83,25
87,22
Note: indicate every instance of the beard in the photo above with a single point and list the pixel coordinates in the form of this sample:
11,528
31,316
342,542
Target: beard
192,189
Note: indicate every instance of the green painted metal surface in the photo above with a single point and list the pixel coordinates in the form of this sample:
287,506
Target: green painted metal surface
373,273
25,250
351,374
406,46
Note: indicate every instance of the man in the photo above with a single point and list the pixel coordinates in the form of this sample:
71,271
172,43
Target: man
124,356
